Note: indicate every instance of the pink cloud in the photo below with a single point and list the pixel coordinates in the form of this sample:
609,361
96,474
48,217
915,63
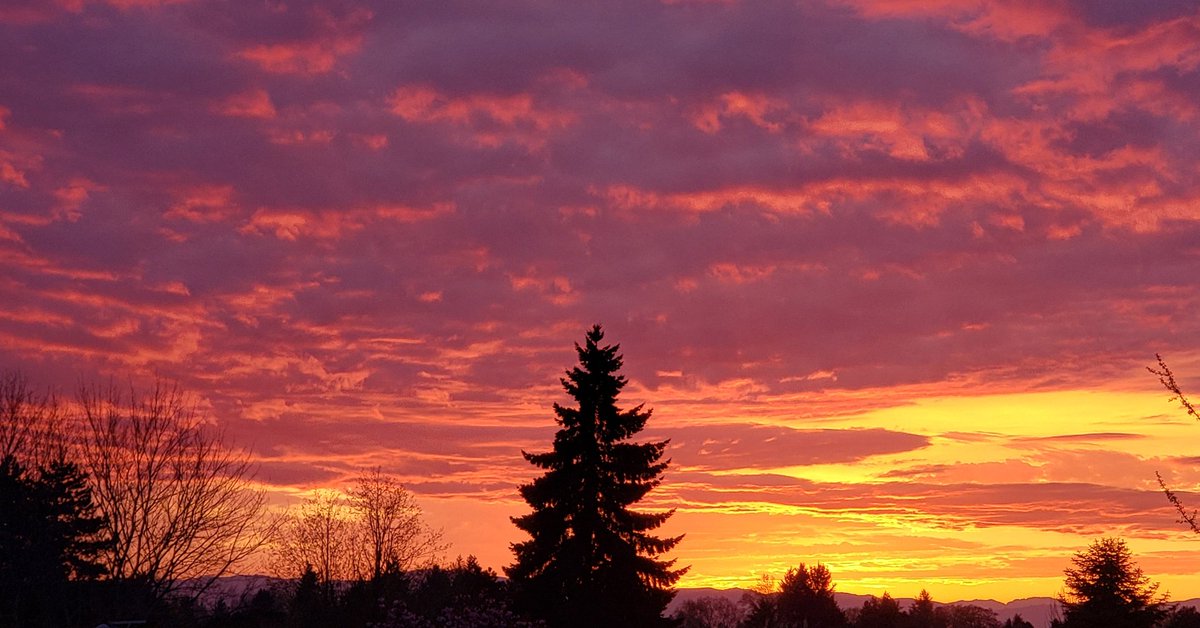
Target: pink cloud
304,58
759,109
251,104
334,224
205,203
339,37
492,119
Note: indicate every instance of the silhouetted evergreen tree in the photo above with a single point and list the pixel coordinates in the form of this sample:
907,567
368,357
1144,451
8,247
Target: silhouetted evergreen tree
806,599
48,543
591,560
73,524
880,612
762,607
1105,589
923,614
310,602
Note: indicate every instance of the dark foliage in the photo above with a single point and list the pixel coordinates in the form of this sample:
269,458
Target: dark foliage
880,612
591,560
311,601
923,613
1016,621
709,612
49,544
967,616
1105,589
1182,617
762,612
804,600
463,595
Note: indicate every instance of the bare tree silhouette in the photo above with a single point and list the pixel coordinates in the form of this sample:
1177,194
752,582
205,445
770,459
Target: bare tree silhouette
392,524
323,536
176,498
30,422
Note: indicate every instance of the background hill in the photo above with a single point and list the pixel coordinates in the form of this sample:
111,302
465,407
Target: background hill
1036,610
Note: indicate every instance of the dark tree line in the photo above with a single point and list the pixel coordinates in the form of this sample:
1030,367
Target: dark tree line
804,598
1103,588
129,506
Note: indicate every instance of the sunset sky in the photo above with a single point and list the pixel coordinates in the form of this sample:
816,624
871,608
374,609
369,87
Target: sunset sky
887,271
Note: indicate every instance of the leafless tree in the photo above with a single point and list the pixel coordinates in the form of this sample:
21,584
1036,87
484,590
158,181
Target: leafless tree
29,422
326,535
177,498
392,525
710,611
1167,379
374,526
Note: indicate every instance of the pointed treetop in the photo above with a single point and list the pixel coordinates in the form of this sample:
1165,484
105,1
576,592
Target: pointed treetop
592,355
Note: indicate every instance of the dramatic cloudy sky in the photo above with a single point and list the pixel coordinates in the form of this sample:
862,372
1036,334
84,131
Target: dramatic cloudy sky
888,271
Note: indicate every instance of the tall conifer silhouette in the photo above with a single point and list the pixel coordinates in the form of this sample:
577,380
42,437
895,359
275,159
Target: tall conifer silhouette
591,560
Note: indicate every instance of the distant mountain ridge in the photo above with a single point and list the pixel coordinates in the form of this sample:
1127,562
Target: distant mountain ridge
1036,610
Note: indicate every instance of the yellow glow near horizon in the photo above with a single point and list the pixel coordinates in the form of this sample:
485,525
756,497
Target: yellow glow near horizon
1114,439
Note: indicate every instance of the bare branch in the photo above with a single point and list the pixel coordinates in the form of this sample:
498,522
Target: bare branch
30,422
1184,516
177,498
392,523
323,535
1167,378
374,526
